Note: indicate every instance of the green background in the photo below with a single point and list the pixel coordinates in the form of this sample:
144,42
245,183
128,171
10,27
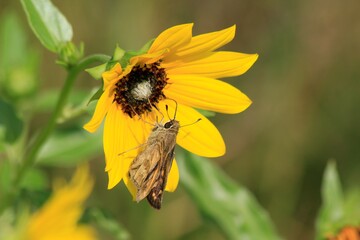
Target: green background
304,87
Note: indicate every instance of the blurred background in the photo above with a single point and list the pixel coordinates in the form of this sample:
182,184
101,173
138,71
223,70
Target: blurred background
305,89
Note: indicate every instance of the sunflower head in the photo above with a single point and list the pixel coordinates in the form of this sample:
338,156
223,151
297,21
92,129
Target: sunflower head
177,66
141,90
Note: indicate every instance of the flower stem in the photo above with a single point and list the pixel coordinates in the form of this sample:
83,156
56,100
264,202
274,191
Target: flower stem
40,139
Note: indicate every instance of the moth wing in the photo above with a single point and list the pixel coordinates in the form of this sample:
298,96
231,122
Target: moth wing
155,196
149,171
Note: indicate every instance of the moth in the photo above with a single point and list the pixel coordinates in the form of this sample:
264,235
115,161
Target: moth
150,168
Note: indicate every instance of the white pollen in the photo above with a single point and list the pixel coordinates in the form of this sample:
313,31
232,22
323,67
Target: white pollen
142,91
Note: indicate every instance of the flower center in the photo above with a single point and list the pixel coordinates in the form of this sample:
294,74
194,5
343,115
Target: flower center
140,90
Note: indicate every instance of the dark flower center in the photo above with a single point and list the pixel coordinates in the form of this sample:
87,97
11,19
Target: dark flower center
140,90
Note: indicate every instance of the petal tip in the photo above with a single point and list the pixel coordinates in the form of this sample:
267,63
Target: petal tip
112,183
110,186
245,104
251,60
222,150
88,127
216,152
232,30
255,57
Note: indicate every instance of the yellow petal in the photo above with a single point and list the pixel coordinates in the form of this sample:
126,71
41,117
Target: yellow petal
148,58
118,140
172,38
214,65
58,218
130,186
139,131
173,177
113,141
113,75
201,138
102,107
206,93
203,43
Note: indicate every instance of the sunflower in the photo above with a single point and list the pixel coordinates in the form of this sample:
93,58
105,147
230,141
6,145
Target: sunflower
177,66
58,218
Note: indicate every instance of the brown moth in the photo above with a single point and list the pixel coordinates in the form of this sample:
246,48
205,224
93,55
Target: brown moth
150,168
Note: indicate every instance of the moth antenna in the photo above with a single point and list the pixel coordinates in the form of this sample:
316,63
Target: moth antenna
167,111
139,146
162,115
191,123
176,107
141,117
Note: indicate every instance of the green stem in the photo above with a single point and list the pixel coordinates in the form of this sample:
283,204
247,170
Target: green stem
31,155
46,131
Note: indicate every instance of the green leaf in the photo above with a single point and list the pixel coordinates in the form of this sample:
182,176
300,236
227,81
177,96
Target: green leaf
70,54
118,53
107,223
70,148
332,210
352,207
34,180
13,41
97,94
147,46
9,120
5,178
45,101
18,62
48,24
96,72
230,206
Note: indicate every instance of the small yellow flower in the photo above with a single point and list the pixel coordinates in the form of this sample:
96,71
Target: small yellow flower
177,66
58,218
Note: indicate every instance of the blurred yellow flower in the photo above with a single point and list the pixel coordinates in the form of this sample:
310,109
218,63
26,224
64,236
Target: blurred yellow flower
58,218
177,66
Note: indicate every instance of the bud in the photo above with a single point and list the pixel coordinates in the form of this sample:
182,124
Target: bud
69,54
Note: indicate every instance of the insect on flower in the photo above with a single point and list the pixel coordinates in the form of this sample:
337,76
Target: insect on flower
177,65
150,168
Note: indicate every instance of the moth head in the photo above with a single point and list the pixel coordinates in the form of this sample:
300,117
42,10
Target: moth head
171,123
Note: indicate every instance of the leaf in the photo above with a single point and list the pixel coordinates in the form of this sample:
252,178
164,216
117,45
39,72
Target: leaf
96,72
34,180
96,95
332,210
13,41
18,62
5,178
118,53
46,100
107,223
70,148
352,207
12,124
48,24
147,46
230,206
